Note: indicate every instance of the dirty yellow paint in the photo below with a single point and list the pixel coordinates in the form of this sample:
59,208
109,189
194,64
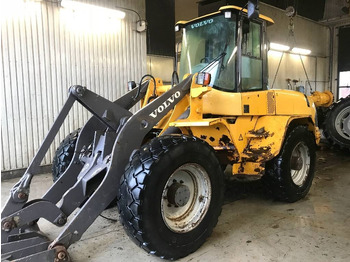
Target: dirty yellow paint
221,103
245,129
323,99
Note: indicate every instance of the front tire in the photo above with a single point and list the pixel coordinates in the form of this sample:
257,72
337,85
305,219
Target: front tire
64,154
289,175
170,196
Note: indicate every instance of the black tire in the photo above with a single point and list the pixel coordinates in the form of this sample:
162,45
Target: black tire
223,167
142,188
337,124
278,171
321,113
64,154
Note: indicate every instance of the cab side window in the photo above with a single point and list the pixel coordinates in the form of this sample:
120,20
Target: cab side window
251,56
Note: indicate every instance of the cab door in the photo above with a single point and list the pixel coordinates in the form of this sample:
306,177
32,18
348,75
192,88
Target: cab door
252,59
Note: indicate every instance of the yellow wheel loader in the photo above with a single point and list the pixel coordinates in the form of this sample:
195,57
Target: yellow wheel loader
163,165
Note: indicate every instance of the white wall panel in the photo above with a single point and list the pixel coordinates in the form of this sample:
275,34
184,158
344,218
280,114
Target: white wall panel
308,35
292,68
43,52
160,66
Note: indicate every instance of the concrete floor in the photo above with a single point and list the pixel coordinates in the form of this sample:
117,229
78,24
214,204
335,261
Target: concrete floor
252,226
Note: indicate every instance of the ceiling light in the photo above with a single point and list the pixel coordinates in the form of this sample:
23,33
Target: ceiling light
274,53
228,14
301,51
279,47
96,10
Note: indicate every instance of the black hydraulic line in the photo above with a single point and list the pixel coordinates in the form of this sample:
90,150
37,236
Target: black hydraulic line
139,87
174,79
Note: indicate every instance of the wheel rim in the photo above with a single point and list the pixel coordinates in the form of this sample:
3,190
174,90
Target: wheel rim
300,163
342,123
186,198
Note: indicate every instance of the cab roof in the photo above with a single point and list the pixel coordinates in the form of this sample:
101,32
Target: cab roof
224,8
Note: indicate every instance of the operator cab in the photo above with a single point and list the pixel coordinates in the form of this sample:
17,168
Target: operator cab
229,46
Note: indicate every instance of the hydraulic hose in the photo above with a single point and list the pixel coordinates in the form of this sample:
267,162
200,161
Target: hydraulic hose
139,87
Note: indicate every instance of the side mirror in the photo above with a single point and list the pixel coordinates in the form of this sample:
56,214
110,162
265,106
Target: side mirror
253,9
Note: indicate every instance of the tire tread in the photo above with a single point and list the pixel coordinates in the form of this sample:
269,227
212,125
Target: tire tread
64,154
134,181
275,180
328,124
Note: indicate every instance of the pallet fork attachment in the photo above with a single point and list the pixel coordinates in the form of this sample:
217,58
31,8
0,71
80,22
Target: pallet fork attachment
90,182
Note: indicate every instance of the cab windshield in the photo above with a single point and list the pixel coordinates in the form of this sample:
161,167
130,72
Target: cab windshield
206,40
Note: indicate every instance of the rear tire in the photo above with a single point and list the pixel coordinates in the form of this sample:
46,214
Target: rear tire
64,154
337,124
289,175
170,196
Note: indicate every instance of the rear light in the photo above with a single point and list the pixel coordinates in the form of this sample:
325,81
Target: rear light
203,78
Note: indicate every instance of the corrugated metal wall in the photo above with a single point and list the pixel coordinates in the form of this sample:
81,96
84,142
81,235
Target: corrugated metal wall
44,50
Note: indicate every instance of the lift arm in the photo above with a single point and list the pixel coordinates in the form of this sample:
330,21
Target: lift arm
90,182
